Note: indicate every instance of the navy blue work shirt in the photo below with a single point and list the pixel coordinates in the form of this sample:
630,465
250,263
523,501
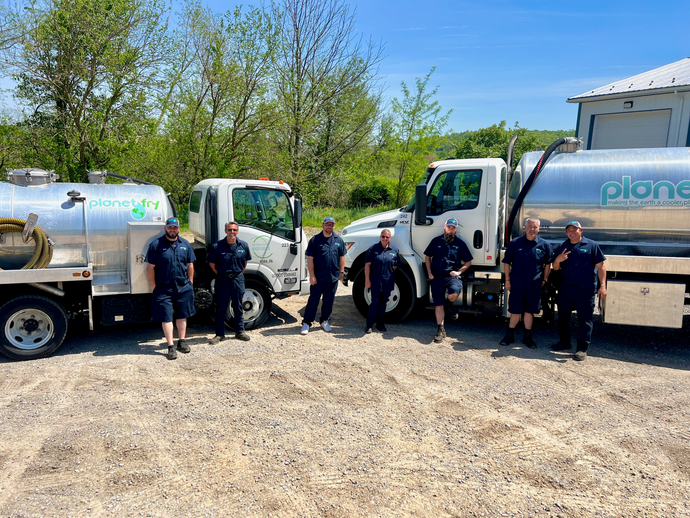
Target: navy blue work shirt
170,259
383,263
579,269
326,252
229,258
447,257
527,259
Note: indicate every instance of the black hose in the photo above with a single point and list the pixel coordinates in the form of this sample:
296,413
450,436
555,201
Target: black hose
528,184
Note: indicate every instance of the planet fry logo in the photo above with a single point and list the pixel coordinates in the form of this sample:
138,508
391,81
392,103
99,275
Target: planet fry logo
137,209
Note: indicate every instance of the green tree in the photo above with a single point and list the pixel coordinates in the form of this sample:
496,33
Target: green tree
326,88
85,70
411,134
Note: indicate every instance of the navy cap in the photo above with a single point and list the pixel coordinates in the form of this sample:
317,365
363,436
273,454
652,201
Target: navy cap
573,224
172,222
452,222
328,219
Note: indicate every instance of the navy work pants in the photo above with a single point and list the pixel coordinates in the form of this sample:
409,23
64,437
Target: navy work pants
229,290
316,291
377,308
570,297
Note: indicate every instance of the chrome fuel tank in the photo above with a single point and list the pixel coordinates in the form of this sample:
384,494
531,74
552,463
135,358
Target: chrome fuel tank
632,201
87,222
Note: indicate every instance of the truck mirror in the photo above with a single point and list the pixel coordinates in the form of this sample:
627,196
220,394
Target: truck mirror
420,204
297,214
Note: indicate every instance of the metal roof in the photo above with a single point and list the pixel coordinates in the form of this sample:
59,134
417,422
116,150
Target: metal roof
673,75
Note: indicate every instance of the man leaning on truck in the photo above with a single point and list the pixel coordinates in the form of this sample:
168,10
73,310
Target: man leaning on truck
170,270
444,264
527,267
580,261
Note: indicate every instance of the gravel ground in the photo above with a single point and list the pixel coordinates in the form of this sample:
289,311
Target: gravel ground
348,424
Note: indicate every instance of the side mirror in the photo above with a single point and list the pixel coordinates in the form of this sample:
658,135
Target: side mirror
297,219
420,202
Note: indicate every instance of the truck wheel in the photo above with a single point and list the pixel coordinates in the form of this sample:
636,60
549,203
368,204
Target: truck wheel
31,327
256,304
400,302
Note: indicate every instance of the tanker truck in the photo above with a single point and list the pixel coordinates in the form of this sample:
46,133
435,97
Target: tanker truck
78,250
634,202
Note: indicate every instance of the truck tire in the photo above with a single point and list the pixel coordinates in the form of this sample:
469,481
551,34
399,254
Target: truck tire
400,303
31,327
256,303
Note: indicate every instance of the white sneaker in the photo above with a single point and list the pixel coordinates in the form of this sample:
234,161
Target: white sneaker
305,329
326,326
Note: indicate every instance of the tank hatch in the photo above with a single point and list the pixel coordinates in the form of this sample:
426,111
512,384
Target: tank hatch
31,176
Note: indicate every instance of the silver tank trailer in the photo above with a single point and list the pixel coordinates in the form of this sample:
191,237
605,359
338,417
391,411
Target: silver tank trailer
93,230
632,201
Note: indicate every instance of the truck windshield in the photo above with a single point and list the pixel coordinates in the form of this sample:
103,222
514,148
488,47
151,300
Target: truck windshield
266,209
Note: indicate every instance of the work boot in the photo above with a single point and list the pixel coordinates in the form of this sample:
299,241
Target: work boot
561,345
452,310
216,340
241,335
172,353
368,330
381,328
527,339
581,352
182,346
509,338
440,334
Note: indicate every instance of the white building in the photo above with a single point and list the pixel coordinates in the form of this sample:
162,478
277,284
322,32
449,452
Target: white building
643,111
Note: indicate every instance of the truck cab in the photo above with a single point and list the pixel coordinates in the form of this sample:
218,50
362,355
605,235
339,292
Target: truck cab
473,192
270,221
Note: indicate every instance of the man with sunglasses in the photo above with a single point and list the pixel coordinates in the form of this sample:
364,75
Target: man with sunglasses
228,259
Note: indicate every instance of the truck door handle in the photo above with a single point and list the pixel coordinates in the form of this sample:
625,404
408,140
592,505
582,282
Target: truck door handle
478,241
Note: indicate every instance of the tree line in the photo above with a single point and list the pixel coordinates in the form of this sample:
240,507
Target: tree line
287,91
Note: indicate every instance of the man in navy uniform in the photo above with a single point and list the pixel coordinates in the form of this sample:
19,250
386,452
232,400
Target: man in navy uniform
447,258
326,263
228,259
580,261
380,264
527,267
170,271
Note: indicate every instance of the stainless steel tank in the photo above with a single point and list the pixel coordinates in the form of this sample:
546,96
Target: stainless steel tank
632,201
87,222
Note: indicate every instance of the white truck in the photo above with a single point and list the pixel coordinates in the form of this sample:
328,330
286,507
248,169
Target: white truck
89,259
634,202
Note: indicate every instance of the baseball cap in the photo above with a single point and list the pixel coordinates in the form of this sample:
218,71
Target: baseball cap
328,219
172,222
452,222
573,224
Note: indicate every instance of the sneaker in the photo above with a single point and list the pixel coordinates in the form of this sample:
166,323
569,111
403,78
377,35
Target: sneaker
326,326
368,330
182,346
561,346
216,340
305,329
580,356
528,341
172,353
381,328
440,334
509,338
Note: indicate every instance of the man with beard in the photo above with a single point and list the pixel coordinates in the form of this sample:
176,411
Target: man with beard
326,263
228,259
527,267
447,258
170,270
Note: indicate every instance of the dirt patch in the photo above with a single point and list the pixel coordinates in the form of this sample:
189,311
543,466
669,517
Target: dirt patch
348,424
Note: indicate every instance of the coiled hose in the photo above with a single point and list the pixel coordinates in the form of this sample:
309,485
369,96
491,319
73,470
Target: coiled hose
43,250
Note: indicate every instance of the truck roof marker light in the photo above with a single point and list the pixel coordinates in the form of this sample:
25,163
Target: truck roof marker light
281,182
264,178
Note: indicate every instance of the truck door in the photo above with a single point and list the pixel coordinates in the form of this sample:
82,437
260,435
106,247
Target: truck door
456,194
266,223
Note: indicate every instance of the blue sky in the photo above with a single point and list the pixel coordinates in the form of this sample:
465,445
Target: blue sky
519,61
